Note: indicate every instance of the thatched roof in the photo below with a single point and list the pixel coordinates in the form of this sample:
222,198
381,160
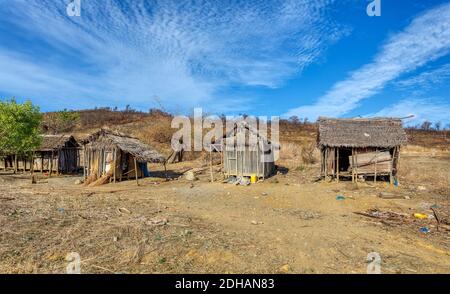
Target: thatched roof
361,132
108,138
54,142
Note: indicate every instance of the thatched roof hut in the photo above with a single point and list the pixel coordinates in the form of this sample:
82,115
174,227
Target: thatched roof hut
252,156
57,153
107,138
360,146
110,155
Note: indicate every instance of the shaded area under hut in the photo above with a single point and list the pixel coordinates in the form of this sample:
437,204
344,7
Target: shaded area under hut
360,147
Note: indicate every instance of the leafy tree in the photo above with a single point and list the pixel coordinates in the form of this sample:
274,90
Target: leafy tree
19,127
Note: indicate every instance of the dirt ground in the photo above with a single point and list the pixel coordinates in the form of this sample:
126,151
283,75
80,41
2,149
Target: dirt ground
286,224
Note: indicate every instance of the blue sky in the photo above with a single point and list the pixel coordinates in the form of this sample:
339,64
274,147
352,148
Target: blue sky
304,58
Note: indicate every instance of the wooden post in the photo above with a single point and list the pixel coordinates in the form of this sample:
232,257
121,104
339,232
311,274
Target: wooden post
337,164
114,164
391,178
211,164
32,168
84,164
136,171
15,163
333,164
57,162
376,163
51,166
326,163
353,165
42,163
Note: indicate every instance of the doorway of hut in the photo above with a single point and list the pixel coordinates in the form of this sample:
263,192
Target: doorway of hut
344,161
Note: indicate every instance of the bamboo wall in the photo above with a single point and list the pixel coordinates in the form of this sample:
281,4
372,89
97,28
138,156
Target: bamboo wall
120,165
247,162
65,160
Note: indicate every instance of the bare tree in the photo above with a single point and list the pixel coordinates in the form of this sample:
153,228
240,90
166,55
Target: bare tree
426,125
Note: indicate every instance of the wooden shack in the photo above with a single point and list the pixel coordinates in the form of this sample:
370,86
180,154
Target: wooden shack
113,156
252,155
57,154
360,147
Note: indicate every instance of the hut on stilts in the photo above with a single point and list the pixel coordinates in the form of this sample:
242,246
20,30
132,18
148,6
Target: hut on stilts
246,153
57,154
112,156
360,147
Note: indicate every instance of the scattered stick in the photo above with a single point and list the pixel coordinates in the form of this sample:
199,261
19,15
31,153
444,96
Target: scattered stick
436,217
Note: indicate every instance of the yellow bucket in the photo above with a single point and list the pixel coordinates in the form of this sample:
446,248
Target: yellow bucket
253,179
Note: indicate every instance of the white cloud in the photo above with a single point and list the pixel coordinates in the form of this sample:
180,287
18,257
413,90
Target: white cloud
434,110
426,39
426,80
182,52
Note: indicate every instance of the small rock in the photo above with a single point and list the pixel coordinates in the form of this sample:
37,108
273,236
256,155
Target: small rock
264,194
421,188
115,238
256,222
407,197
78,182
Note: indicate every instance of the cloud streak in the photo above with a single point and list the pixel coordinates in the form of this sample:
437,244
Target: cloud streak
434,110
184,52
425,39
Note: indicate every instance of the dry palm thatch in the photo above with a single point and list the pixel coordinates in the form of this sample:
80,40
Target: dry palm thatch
361,132
107,138
54,142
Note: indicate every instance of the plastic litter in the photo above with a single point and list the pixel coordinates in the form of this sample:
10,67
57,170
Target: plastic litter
340,197
425,230
420,215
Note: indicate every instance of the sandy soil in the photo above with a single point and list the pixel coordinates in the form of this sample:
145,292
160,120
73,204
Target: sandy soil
286,224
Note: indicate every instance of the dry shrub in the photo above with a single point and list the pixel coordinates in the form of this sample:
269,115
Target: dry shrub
162,137
290,151
308,153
